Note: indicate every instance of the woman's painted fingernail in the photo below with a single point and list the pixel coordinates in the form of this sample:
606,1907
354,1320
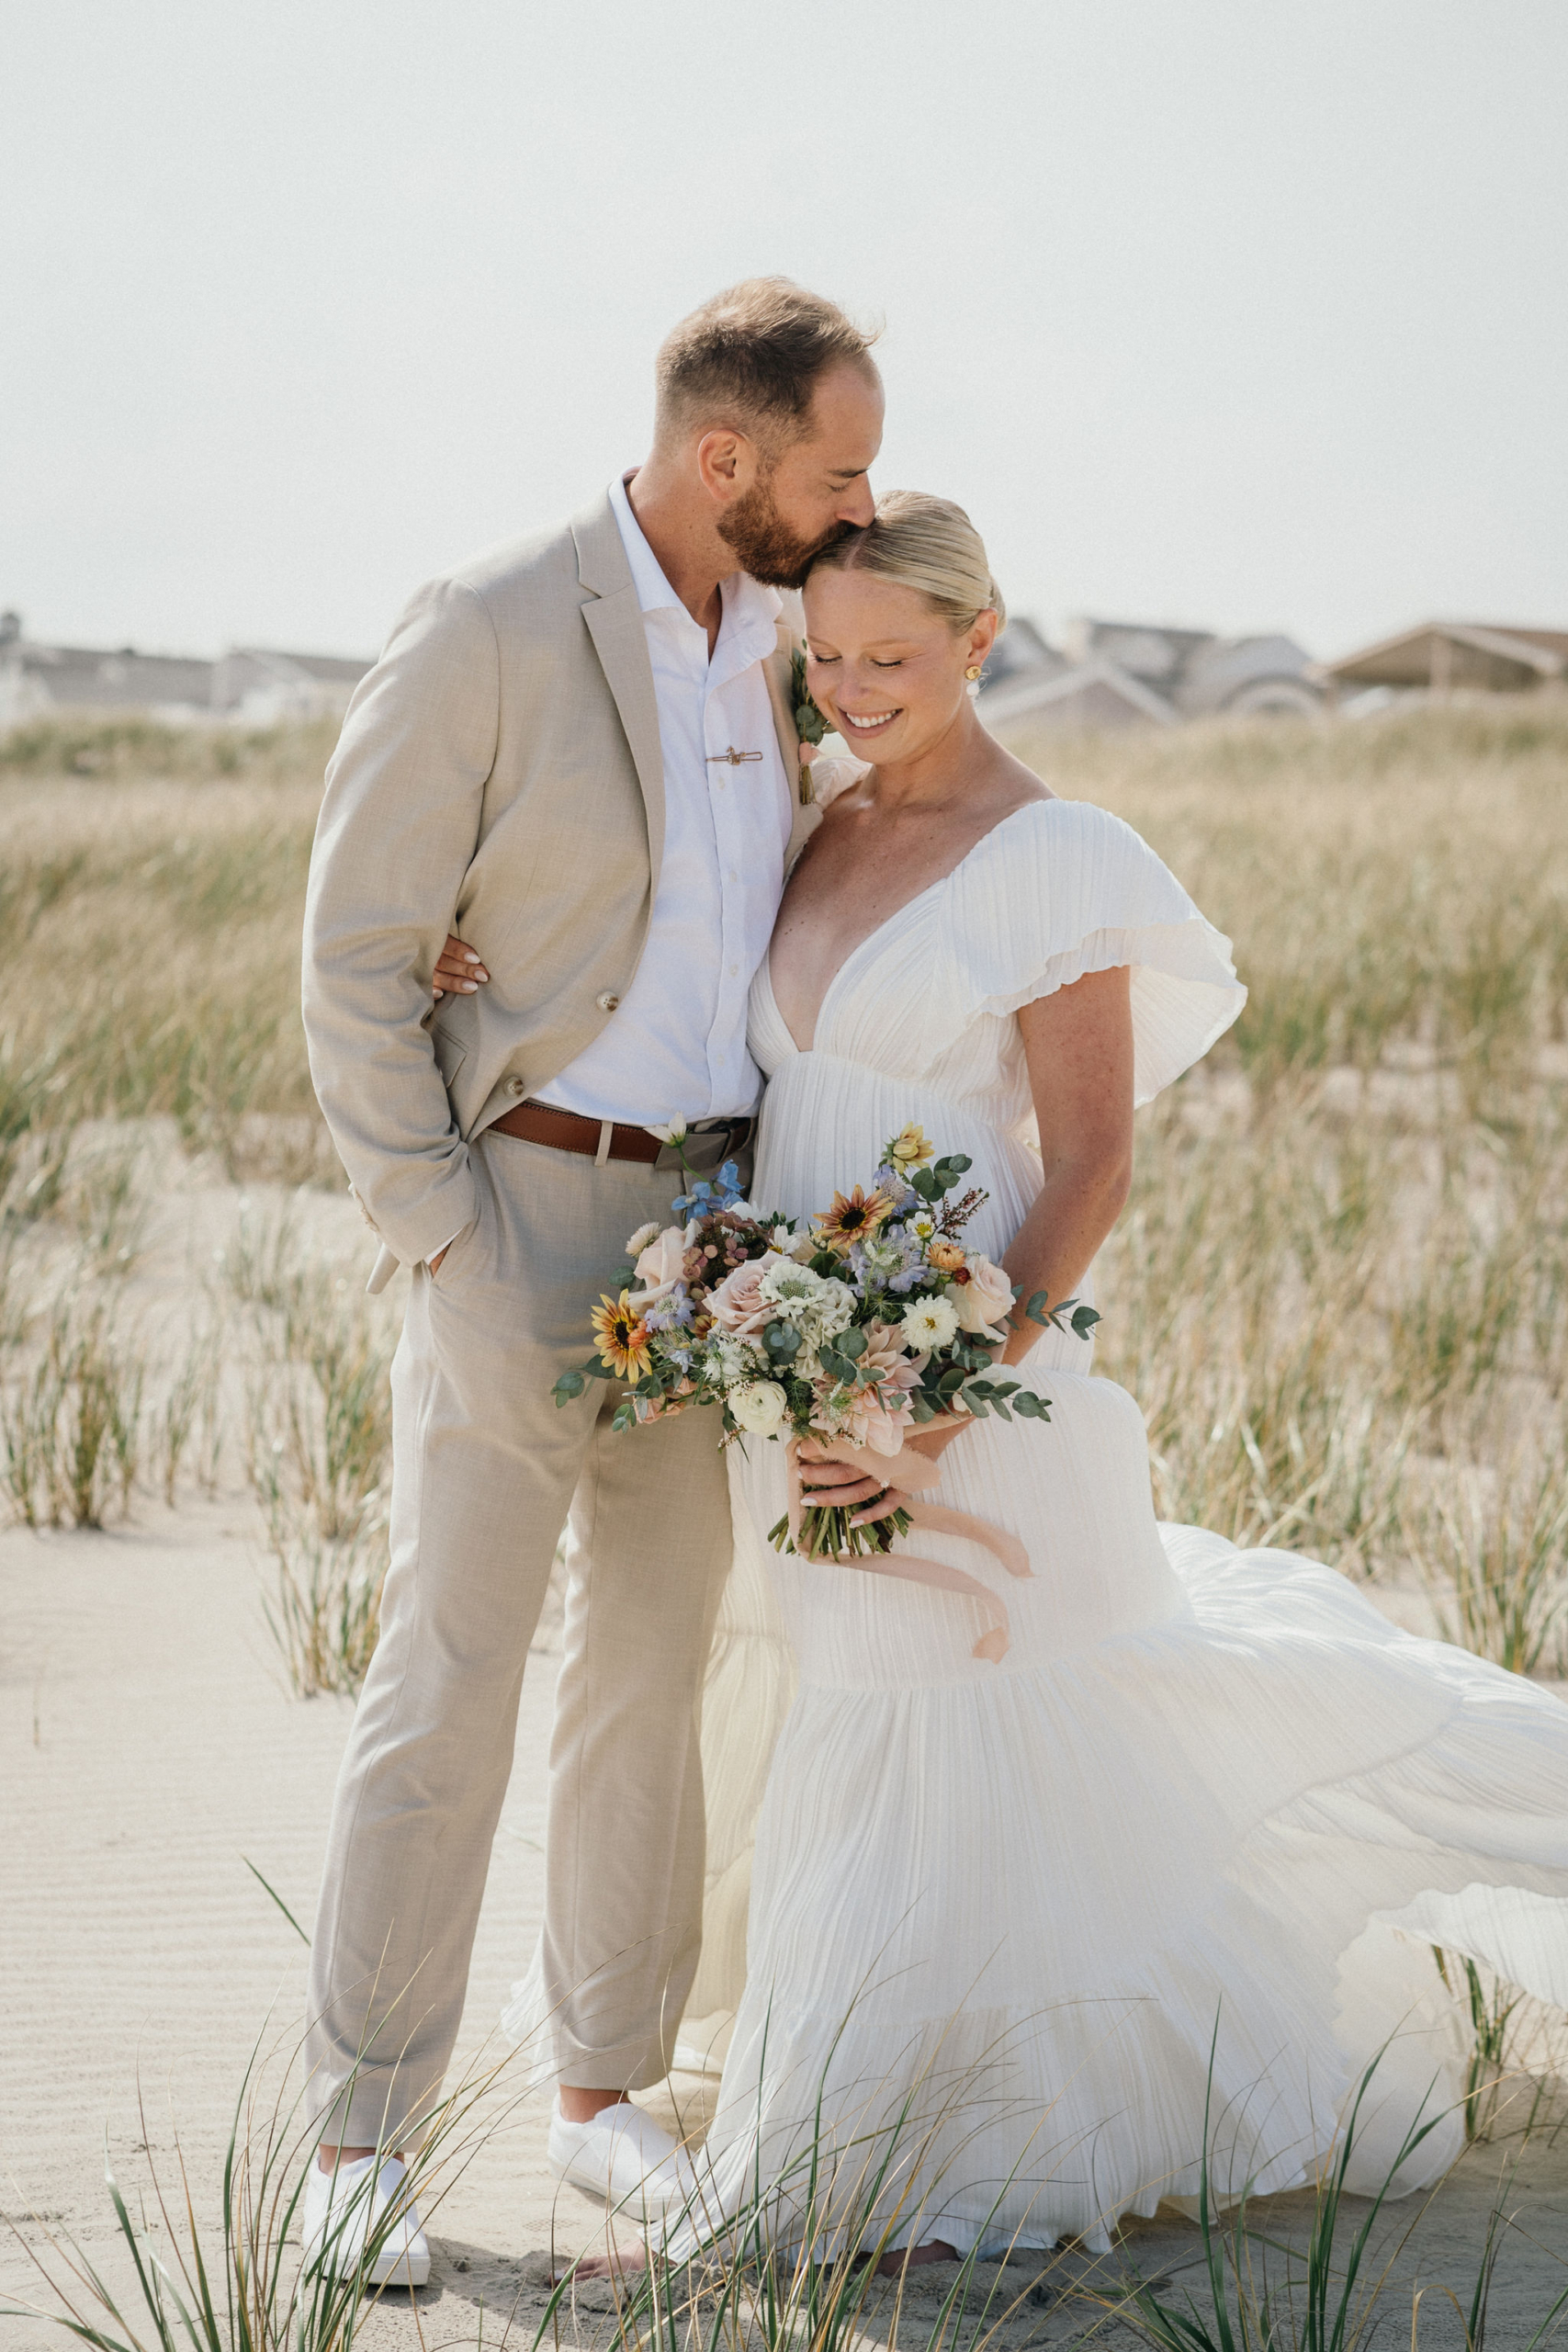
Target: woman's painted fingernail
482,974
469,956
469,987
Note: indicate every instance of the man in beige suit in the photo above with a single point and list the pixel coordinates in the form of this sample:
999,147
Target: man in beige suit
578,752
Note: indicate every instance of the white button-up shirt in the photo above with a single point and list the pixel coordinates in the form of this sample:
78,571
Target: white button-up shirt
676,1047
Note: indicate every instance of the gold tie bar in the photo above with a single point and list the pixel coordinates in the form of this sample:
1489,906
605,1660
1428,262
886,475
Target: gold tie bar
732,757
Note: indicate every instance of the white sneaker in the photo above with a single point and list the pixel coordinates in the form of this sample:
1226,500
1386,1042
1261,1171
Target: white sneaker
344,2208
625,2158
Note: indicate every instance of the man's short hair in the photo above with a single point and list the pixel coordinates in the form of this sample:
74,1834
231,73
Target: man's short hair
751,357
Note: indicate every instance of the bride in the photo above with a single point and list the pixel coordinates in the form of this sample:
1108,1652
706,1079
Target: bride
1016,1928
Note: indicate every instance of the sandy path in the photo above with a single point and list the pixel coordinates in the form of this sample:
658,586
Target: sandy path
148,1745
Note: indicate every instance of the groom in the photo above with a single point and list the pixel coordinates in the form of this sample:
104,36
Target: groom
577,750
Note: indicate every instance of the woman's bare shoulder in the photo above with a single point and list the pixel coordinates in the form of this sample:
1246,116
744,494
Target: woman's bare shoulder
1021,780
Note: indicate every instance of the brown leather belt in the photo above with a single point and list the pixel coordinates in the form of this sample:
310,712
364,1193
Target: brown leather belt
569,1131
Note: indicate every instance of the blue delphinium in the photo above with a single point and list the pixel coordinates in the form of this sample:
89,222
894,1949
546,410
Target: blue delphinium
704,1199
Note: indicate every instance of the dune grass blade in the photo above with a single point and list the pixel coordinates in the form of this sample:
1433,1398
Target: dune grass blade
70,1421
269,1889
1316,2300
244,2288
317,1454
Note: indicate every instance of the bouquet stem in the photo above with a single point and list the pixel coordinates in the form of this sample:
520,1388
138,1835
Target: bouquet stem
826,1532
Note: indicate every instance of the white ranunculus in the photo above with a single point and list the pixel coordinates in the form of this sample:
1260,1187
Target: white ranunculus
760,1406
929,1323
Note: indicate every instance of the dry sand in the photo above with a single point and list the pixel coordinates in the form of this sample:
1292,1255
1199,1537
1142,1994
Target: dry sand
149,1749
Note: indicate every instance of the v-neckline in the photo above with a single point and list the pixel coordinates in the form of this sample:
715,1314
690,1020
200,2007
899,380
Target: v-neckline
859,949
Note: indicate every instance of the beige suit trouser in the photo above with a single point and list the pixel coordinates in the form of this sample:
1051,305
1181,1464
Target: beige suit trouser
486,1467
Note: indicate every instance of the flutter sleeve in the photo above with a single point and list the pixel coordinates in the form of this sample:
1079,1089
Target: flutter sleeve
1064,888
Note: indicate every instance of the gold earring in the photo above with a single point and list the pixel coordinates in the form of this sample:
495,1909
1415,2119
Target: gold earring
974,670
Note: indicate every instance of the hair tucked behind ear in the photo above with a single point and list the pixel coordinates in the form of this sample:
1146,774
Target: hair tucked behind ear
929,545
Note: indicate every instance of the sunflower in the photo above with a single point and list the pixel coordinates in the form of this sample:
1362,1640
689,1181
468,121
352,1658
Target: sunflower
852,1216
621,1337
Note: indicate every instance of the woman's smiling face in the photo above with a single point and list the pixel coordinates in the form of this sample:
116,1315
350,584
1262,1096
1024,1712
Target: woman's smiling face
883,666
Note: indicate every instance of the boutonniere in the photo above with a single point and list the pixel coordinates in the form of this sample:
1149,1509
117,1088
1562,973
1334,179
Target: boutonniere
809,723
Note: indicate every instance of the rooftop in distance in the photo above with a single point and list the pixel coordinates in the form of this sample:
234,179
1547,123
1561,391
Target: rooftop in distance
250,685
1120,674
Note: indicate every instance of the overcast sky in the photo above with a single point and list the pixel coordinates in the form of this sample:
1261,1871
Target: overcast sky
1243,314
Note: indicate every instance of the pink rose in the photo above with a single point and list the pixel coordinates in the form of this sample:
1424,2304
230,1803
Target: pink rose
735,1305
984,1299
660,1268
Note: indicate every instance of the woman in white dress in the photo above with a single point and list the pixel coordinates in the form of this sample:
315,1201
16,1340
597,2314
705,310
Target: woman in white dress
1193,1838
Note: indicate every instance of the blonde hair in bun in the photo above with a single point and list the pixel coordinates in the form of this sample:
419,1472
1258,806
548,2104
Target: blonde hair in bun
929,545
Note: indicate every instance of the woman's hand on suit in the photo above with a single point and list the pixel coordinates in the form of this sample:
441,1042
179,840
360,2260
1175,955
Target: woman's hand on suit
459,970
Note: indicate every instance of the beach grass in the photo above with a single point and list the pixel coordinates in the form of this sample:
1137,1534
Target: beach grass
150,950
1340,1292
809,2260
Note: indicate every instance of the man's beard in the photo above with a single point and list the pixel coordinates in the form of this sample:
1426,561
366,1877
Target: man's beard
765,545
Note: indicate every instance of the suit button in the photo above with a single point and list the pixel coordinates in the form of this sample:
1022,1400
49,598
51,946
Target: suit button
608,1002
516,1086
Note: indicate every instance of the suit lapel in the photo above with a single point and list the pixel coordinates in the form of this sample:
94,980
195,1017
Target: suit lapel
615,625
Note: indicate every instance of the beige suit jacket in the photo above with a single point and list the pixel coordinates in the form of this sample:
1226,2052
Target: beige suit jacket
498,775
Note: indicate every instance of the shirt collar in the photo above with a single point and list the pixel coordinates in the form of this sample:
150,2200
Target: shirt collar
648,574
750,611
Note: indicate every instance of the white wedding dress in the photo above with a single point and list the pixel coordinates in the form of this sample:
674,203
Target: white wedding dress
1209,1802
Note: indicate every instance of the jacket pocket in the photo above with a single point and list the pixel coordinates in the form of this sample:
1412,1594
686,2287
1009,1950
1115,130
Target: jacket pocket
450,1053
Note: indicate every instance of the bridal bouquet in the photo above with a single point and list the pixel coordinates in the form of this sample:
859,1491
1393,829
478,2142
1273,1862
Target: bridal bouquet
863,1323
